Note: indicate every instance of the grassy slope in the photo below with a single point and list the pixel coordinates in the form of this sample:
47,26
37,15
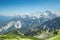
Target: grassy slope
16,37
57,37
12,36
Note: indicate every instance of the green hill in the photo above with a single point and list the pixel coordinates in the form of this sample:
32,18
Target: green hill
16,35
57,37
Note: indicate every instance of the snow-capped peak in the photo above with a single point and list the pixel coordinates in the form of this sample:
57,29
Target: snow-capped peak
37,14
57,13
29,19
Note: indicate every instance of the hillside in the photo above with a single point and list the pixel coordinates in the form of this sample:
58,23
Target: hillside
36,26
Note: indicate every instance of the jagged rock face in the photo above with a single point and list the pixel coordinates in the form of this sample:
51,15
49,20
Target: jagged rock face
26,22
51,24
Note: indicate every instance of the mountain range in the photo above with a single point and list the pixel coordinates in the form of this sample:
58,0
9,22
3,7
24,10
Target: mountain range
49,19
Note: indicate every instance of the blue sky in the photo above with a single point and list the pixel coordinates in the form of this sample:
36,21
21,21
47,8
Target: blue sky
28,6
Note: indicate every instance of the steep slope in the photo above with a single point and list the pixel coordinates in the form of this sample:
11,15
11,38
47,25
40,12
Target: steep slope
51,24
26,22
49,30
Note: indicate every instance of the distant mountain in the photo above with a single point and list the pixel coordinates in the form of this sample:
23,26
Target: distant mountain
4,20
26,22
